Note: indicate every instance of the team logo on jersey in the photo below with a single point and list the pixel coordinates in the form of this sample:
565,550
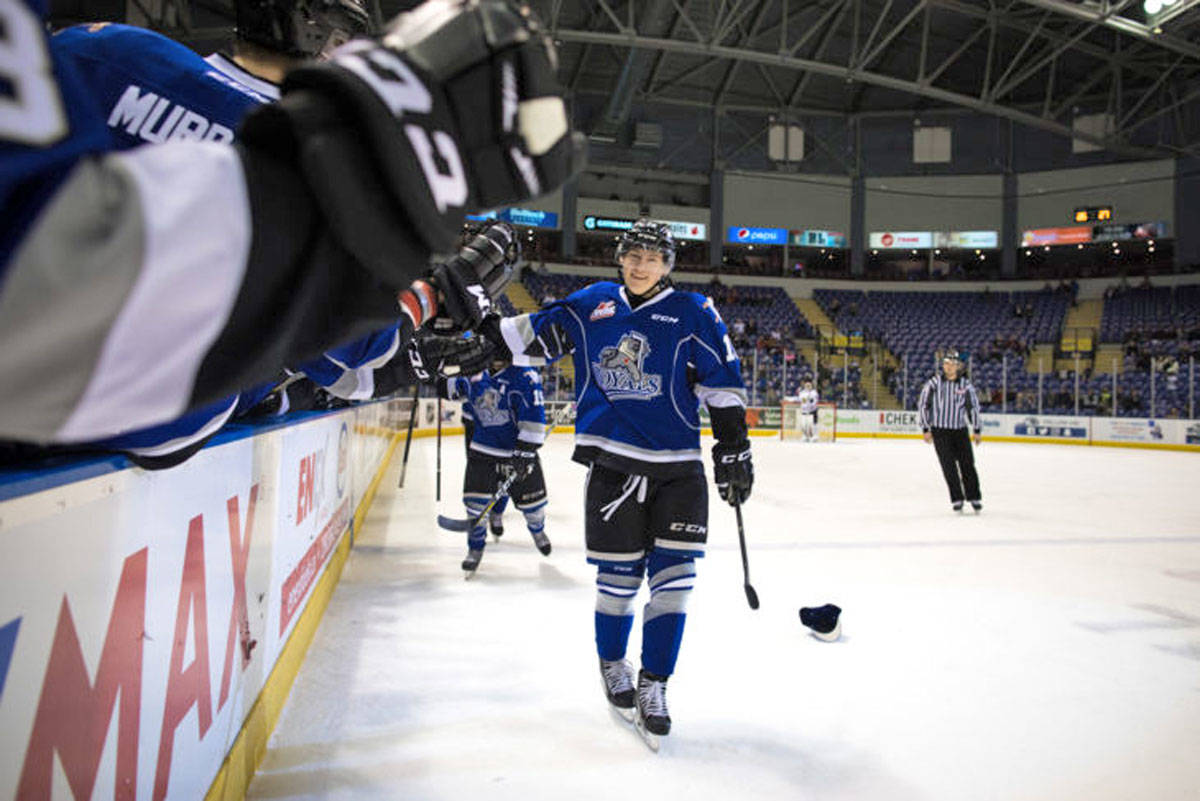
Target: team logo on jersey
487,408
620,373
606,309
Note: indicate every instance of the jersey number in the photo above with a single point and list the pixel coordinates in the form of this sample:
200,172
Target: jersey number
31,111
402,91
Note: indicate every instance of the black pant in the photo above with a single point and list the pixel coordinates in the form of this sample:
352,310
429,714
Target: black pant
953,446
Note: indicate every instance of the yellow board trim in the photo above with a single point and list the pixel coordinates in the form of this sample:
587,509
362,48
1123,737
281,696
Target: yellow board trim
250,746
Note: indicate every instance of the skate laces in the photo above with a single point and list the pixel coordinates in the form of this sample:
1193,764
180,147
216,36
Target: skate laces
618,675
652,697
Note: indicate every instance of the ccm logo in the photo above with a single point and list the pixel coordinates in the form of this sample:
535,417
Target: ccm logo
689,528
662,318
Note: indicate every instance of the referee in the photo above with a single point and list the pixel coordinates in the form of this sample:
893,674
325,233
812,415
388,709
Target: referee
948,404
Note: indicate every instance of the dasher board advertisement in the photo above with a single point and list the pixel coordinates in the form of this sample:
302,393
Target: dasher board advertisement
901,239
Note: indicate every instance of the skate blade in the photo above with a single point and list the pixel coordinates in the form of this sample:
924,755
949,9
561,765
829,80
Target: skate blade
648,737
621,714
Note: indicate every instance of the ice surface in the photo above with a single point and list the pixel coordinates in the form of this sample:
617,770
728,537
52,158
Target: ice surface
1048,649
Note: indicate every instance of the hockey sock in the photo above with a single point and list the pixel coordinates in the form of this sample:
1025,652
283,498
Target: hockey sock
535,518
671,580
614,610
476,537
500,506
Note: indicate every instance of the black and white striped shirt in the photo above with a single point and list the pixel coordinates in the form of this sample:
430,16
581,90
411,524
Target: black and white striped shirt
948,404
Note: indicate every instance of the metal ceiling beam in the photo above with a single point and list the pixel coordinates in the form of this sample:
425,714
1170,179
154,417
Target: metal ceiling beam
1013,22
1092,12
849,74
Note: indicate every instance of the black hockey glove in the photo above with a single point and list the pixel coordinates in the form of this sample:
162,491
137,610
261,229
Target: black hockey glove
733,471
473,279
432,356
521,463
455,107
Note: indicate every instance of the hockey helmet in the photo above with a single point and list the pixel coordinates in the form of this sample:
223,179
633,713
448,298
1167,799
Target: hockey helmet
301,28
646,234
823,622
952,355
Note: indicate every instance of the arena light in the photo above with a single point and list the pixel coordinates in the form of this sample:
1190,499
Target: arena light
1152,7
1079,247
1046,248
1029,253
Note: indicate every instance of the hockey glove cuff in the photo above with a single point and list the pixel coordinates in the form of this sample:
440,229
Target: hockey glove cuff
733,471
522,461
455,107
472,281
432,356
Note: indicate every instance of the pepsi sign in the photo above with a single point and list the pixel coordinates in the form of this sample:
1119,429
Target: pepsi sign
740,235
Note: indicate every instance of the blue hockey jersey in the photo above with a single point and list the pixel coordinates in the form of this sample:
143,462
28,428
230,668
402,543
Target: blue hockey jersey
507,406
153,89
639,373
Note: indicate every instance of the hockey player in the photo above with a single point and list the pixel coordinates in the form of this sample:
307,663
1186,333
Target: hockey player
644,355
510,426
496,515
135,286
808,410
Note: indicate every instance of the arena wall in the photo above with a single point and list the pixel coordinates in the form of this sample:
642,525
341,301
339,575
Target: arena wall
786,201
151,623
935,203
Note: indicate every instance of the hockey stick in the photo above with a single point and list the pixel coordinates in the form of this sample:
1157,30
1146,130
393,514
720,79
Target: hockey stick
438,496
456,524
751,595
412,419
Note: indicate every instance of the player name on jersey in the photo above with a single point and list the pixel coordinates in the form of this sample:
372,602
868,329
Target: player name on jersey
157,119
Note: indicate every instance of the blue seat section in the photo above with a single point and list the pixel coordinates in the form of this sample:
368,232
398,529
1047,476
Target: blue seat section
1159,328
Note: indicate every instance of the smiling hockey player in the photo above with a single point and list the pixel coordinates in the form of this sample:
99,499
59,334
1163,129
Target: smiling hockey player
645,354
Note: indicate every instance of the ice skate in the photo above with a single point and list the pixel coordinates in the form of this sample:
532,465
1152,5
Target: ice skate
957,506
541,541
977,506
652,719
617,677
474,555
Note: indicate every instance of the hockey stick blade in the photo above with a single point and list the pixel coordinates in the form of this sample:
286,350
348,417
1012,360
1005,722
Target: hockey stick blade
453,524
751,597
456,524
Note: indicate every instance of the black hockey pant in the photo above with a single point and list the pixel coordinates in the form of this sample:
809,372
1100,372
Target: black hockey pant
953,446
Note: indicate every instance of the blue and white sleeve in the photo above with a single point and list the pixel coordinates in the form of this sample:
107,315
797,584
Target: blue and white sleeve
717,368
540,337
530,408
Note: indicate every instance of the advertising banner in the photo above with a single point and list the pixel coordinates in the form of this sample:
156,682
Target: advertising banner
898,422
1052,427
141,612
528,217
1057,236
688,230
1119,429
1121,233
966,239
817,239
594,223
531,217
679,229
739,235
901,239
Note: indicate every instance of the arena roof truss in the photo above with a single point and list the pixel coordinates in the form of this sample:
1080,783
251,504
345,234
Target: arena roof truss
1036,62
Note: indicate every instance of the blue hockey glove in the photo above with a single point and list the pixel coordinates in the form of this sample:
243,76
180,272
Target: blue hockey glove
733,471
